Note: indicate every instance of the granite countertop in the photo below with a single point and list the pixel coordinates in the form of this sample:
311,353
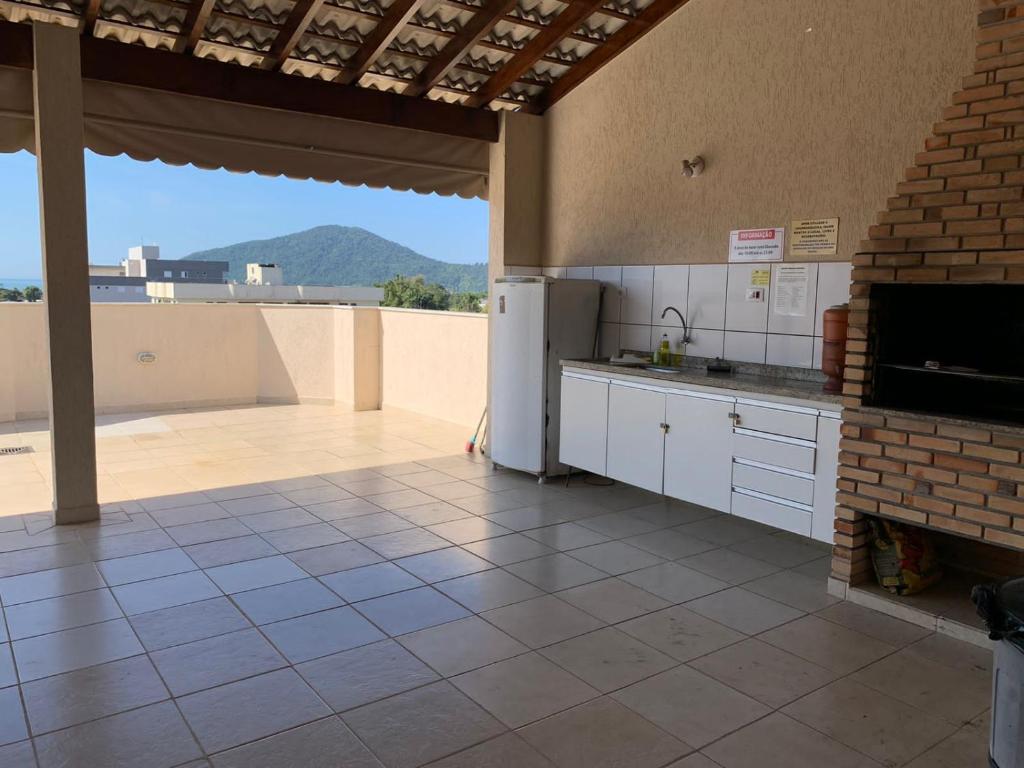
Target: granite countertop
775,380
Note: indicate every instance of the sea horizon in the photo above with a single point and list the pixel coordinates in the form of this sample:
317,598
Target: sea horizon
20,282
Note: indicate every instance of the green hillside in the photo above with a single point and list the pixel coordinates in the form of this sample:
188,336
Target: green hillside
336,255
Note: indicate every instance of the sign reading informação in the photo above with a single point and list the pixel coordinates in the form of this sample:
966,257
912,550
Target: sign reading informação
757,244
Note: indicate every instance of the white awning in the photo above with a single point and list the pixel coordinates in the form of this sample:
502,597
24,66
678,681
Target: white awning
158,125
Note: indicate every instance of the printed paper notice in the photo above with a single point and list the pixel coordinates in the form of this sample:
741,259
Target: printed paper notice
756,244
759,277
814,237
789,296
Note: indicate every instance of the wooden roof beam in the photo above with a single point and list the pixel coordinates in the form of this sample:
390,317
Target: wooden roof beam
546,39
456,49
92,12
302,13
653,14
114,62
395,17
196,18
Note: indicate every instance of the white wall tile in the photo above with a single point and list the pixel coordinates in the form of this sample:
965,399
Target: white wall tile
580,273
611,279
670,288
740,314
637,294
637,337
522,271
816,353
706,343
608,345
556,272
745,347
803,324
833,288
705,300
783,349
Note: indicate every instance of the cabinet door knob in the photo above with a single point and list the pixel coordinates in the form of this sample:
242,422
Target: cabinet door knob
664,427
735,417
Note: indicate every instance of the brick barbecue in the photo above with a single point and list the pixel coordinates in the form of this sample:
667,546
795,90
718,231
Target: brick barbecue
958,217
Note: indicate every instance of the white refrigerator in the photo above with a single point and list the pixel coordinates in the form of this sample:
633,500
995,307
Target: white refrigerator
535,323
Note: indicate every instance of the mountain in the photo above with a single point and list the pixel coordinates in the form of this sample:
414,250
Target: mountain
336,255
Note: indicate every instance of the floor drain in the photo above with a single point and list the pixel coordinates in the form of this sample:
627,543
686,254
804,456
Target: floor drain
14,451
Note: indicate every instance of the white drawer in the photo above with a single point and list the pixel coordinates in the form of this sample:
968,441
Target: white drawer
776,421
774,452
789,487
771,513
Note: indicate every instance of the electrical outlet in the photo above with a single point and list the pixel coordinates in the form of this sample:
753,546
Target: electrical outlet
755,294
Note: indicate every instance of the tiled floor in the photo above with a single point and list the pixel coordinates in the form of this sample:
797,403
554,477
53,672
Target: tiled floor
252,598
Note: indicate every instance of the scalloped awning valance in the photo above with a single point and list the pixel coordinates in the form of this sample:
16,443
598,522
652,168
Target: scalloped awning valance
178,129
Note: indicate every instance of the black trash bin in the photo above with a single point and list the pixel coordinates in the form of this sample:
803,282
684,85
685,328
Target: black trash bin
1002,607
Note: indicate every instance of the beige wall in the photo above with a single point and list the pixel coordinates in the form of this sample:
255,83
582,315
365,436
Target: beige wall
296,352
434,363
792,124
205,355
214,354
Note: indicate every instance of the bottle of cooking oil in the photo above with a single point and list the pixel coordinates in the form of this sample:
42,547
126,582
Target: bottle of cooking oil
664,354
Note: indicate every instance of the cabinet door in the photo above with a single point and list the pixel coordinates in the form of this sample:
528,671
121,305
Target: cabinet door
825,477
698,450
636,443
583,424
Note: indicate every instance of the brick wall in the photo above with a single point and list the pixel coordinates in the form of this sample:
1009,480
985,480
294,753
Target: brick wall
958,216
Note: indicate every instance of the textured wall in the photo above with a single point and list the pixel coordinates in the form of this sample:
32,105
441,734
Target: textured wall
793,124
434,363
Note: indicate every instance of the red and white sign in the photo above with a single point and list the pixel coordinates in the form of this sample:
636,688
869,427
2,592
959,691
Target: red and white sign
757,244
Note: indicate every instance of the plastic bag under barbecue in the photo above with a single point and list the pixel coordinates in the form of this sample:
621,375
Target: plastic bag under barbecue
903,557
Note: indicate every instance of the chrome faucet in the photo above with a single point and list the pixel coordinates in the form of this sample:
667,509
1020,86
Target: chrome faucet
686,330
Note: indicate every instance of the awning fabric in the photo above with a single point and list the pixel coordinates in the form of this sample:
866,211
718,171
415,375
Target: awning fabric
158,125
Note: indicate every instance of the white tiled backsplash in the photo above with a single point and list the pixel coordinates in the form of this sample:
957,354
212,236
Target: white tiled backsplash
712,298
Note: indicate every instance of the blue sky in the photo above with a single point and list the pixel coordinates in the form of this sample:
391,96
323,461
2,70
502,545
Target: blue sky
187,209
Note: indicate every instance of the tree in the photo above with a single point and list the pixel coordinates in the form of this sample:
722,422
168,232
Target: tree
468,302
32,293
414,293
10,294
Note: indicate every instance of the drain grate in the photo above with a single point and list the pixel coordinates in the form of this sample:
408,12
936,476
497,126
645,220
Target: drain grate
15,451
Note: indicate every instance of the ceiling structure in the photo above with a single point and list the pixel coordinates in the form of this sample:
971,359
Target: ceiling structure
476,54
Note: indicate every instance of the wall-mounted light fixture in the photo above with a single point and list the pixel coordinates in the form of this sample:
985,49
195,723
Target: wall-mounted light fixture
693,167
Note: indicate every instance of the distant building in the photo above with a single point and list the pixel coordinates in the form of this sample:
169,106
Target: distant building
264,285
127,282
263,274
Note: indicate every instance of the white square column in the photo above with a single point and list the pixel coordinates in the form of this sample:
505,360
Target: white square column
60,148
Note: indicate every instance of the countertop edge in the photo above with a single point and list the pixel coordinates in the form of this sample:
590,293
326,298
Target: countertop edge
745,386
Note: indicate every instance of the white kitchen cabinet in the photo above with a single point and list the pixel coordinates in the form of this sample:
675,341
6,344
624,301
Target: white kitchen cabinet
825,477
636,440
583,425
698,450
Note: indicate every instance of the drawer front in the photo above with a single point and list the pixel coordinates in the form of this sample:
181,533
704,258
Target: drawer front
777,422
771,513
779,454
798,489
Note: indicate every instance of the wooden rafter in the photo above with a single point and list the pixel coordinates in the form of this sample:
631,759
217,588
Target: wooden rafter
114,62
456,49
653,14
387,29
546,39
195,22
302,13
92,12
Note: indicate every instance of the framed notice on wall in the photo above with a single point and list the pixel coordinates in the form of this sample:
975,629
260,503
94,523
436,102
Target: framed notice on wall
757,244
814,237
